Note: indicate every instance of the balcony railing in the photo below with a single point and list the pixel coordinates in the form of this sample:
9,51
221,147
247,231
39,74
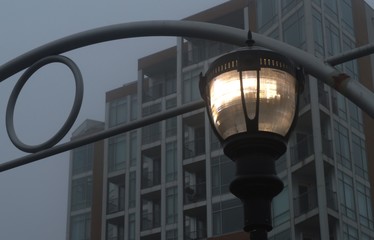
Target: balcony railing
115,205
331,199
152,93
194,148
302,150
323,98
150,221
151,133
150,179
327,147
304,100
119,237
195,193
196,235
305,202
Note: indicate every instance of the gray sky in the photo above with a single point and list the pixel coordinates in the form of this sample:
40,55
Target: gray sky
33,198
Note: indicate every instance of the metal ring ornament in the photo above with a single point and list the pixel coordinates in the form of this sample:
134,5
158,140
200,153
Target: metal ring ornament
73,112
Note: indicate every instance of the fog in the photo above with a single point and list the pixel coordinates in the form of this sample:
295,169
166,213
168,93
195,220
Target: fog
33,200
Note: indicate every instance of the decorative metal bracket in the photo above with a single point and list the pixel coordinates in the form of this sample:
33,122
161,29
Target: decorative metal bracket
48,53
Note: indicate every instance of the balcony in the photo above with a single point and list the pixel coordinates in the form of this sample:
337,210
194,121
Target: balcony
150,179
151,133
304,99
323,98
195,193
305,202
196,235
331,199
153,92
302,150
327,148
194,148
115,205
150,221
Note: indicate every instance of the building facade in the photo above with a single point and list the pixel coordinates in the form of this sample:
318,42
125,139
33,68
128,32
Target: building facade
170,180
85,185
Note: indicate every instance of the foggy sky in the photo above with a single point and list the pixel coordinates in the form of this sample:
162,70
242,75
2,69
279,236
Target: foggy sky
33,198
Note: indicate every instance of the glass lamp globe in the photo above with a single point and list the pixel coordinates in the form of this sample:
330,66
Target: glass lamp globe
251,90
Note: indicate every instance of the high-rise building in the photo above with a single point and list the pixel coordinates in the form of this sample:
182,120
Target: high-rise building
85,185
170,180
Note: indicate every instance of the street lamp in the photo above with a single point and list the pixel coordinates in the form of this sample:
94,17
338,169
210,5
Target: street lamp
251,96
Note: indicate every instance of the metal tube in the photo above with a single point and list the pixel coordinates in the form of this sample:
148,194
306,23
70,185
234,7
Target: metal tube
101,135
356,92
351,55
353,90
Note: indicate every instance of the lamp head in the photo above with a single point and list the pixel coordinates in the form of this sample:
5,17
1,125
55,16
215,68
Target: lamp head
251,91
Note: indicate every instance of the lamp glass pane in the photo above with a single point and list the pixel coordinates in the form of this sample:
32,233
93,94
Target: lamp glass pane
250,92
277,101
226,104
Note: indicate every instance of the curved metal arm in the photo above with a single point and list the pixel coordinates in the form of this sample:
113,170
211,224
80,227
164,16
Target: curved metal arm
350,88
353,90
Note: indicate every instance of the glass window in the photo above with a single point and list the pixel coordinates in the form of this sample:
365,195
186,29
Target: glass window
274,34
267,14
171,205
293,30
133,148
132,226
117,112
151,109
281,208
116,197
132,190
117,153
346,15
227,216
80,227
171,103
318,34
364,206
366,237
223,172
134,107
359,156
331,9
214,141
151,133
81,193
347,198
349,232
171,127
332,39
172,234
170,83
342,146
287,5
152,88
355,116
82,159
350,67
115,230
339,105
317,2
191,85
285,235
171,161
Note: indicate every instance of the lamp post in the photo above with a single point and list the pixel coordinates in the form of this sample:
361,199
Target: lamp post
251,97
